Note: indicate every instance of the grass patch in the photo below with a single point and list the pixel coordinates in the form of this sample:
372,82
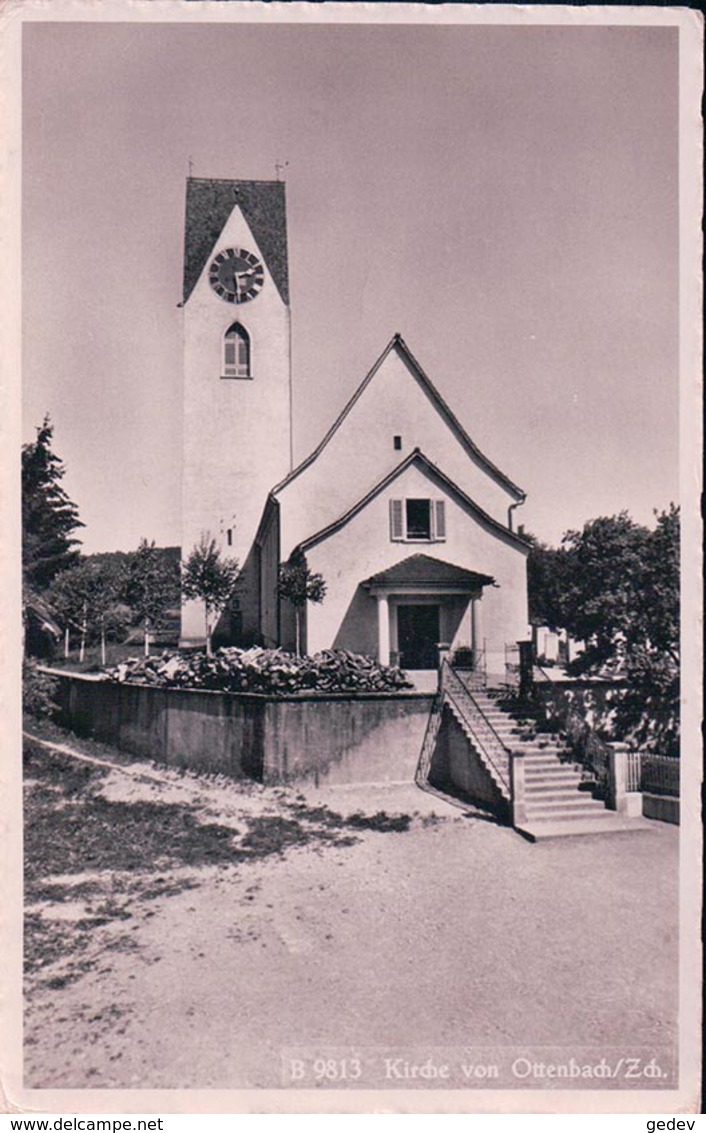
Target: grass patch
124,852
271,834
383,822
93,833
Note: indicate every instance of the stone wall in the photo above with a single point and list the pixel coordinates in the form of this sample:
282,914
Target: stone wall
458,770
329,738
593,700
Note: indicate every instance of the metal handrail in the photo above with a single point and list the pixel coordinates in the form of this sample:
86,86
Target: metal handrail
430,736
476,705
448,676
478,672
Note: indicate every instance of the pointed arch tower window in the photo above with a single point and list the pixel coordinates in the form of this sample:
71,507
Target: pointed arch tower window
237,353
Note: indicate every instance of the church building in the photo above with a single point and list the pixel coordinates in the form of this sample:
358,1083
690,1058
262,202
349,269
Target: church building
409,524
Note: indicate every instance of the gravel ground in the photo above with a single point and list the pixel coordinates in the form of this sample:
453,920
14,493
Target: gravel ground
191,932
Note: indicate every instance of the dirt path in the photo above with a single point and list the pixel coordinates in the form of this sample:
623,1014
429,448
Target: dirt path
193,933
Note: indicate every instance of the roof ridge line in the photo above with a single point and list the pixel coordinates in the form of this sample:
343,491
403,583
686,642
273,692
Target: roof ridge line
416,454
316,452
397,341
454,421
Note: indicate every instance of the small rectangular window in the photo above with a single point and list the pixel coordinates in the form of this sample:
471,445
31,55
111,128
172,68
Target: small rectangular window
418,519
397,441
229,536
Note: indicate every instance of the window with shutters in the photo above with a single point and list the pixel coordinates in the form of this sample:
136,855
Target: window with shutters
236,353
417,520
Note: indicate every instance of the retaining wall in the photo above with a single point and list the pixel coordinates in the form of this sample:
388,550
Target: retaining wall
662,807
330,738
457,768
594,700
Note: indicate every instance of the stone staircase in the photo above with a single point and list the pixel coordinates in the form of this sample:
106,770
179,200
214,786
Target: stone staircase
558,800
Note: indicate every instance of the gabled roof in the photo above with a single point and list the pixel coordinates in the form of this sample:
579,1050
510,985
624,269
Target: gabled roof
417,457
398,344
209,203
423,570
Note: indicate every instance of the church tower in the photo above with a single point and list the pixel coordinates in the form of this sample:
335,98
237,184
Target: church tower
237,424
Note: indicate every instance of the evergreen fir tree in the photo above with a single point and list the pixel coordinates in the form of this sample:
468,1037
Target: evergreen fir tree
49,517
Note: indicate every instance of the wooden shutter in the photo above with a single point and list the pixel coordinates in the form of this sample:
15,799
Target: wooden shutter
440,520
396,521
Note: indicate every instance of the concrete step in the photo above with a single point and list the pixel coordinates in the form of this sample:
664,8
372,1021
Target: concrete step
536,764
499,721
533,749
607,822
503,727
564,811
554,792
534,760
562,787
498,714
570,798
549,779
545,751
530,740
541,764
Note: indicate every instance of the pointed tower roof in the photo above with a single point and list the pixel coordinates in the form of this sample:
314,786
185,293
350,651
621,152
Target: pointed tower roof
209,203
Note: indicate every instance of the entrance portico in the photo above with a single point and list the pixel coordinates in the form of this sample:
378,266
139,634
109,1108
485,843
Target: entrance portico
421,602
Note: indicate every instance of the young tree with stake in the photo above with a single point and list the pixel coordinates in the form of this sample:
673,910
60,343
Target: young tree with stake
299,585
150,586
208,577
84,596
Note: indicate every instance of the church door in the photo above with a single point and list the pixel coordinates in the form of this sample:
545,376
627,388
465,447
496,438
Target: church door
418,636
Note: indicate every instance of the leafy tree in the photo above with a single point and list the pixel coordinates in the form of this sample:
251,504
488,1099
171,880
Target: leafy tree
600,578
150,586
650,709
38,690
210,578
615,586
546,571
299,585
49,518
86,597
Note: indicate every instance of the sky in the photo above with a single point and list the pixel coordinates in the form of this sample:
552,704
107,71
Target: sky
504,197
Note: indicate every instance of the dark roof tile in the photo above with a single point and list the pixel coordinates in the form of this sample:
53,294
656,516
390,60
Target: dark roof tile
209,203
423,569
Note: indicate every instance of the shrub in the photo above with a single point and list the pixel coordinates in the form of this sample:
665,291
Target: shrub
263,671
38,690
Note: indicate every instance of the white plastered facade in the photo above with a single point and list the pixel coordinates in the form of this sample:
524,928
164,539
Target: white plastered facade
484,618
236,431
395,440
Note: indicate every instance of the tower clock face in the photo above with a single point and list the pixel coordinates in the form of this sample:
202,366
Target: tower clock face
236,275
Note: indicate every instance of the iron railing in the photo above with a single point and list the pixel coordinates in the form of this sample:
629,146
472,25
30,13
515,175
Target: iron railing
473,664
634,770
430,737
659,774
512,665
480,729
587,748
